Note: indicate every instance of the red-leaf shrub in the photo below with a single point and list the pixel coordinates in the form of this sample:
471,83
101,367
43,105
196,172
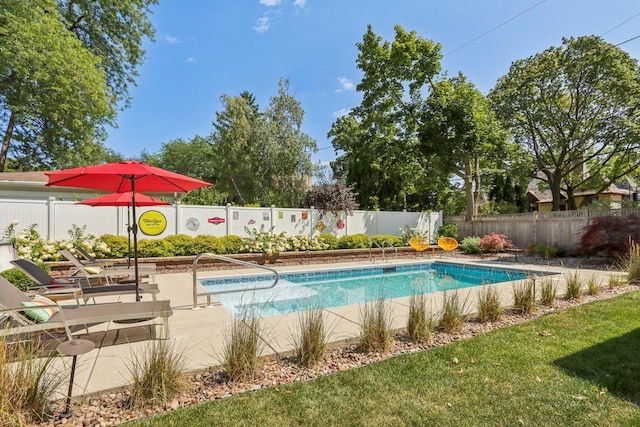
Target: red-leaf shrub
609,235
494,242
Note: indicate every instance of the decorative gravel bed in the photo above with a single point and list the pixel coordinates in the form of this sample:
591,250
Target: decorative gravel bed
110,408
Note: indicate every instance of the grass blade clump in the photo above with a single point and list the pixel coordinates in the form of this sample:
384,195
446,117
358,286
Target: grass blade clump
574,288
489,304
310,343
419,323
241,358
376,333
548,292
157,374
632,263
26,385
593,286
453,313
524,298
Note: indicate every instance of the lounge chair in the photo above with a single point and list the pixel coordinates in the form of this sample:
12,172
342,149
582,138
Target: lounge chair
57,286
109,273
90,260
15,307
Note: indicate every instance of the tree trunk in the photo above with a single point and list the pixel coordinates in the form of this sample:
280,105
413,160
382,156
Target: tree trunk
468,187
554,184
6,141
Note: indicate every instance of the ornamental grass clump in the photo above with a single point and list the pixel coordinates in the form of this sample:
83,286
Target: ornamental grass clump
157,374
26,384
524,298
548,292
310,343
489,304
243,346
593,286
376,334
632,263
420,322
574,288
453,313
615,281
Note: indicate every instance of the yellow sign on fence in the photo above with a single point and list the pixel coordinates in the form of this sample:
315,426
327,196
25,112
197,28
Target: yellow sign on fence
152,223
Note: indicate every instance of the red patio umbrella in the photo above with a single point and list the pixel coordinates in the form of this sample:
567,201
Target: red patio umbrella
124,199
122,177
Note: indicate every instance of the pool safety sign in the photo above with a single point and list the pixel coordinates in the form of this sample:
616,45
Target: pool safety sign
152,223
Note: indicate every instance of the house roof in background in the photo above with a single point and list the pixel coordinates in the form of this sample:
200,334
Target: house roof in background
32,176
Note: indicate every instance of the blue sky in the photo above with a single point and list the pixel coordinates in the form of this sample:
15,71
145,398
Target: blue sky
207,48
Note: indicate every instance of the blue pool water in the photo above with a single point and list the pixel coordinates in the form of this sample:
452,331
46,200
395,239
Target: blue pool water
334,288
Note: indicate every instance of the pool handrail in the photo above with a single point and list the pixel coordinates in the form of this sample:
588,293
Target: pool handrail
384,257
208,294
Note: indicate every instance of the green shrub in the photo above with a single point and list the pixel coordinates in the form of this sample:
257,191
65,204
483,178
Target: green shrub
489,304
310,343
545,251
118,246
471,245
447,230
388,240
354,241
204,243
232,244
408,233
157,374
21,280
376,333
154,248
180,243
329,239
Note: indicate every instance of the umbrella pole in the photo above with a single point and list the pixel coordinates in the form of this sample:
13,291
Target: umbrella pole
128,236
134,229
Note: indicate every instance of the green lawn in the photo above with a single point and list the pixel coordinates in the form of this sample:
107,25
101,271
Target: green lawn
578,367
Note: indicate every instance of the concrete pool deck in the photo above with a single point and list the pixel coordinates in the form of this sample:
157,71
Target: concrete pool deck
200,333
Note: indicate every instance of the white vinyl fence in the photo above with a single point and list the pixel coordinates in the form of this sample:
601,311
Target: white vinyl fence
54,219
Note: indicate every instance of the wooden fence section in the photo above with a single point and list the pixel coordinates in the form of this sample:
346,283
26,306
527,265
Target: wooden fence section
562,229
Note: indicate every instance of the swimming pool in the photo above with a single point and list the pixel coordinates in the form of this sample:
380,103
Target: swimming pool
338,287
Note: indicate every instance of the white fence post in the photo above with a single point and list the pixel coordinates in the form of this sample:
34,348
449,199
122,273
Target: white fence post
51,218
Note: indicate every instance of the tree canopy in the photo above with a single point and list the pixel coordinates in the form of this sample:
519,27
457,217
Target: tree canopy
414,129
575,109
263,156
65,66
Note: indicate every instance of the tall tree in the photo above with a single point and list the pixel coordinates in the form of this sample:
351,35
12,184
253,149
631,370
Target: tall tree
235,137
195,158
415,128
575,109
65,65
263,157
380,137
285,151
459,126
